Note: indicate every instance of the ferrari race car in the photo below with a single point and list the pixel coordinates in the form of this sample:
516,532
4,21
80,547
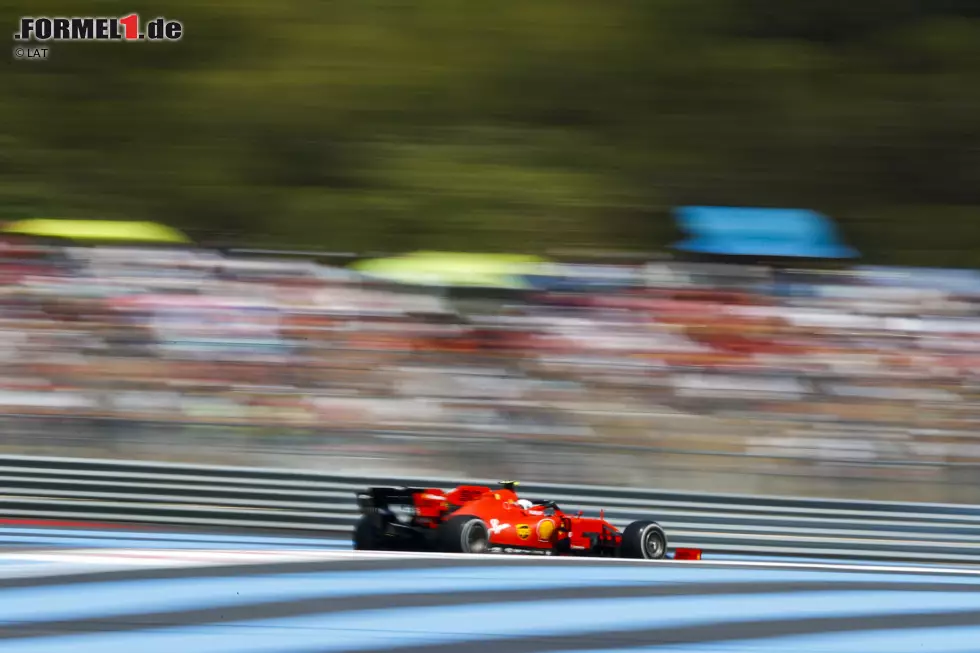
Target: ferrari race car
479,519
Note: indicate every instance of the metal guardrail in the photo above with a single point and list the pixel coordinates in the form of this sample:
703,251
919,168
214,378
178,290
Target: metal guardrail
194,495
476,453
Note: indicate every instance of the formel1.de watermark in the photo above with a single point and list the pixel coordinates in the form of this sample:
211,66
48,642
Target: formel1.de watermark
35,33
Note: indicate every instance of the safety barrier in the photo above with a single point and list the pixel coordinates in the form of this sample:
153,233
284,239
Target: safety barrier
189,495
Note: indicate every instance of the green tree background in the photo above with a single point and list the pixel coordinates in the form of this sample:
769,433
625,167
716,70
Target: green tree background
511,125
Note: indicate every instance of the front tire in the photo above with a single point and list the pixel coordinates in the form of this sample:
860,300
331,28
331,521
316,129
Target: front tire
464,534
644,540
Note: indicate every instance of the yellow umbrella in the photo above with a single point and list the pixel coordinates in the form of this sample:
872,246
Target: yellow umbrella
97,230
453,269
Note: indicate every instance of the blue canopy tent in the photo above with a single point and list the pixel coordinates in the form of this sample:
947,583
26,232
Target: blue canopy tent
760,232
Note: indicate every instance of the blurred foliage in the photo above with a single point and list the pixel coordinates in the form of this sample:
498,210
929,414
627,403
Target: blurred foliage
387,124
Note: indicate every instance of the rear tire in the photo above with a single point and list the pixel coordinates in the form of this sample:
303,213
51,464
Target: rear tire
367,537
644,540
464,534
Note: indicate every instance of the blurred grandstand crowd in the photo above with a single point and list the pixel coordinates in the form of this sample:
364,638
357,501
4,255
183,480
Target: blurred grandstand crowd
868,370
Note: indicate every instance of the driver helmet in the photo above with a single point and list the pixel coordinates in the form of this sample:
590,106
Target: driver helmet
524,503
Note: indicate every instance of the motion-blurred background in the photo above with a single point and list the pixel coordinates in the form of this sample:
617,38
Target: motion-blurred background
725,244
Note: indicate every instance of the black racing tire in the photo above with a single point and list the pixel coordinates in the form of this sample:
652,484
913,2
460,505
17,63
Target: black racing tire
367,536
644,540
464,534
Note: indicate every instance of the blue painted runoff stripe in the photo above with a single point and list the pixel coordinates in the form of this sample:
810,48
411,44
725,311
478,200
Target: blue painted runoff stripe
419,626
120,535
843,562
49,603
15,562
107,543
118,598
954,639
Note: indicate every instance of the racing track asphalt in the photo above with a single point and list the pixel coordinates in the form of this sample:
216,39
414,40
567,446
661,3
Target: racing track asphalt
346,601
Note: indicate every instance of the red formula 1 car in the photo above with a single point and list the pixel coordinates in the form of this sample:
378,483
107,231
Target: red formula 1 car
479,519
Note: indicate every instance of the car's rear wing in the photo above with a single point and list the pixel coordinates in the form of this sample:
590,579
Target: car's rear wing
388,500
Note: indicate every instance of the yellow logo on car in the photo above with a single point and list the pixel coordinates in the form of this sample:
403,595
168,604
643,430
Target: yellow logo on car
523,531
545,529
